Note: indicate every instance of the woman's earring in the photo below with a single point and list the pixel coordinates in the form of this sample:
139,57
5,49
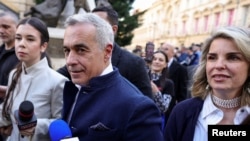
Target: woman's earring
207,87
248,87
248,90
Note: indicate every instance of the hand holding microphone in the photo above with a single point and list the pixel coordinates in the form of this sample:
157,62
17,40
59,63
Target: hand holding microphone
6,130
3,90
26,120
28,132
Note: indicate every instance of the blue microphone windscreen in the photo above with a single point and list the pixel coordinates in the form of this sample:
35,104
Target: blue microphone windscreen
58,130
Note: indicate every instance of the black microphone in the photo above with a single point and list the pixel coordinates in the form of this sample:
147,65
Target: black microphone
25,116
60,131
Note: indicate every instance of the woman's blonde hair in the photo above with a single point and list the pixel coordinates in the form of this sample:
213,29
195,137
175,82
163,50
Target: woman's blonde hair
241,37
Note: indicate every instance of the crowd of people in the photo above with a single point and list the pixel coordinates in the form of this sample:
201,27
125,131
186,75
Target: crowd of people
100,97
187,58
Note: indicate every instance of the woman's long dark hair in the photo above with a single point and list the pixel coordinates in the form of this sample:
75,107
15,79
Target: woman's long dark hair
42,28
164,72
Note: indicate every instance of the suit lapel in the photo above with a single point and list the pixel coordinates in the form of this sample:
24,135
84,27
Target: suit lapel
25,84
116,55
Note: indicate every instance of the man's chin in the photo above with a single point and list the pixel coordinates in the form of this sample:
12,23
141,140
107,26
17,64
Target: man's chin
78,81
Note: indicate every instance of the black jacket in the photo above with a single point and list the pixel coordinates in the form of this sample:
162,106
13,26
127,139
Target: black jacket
179,75
8,61
183,119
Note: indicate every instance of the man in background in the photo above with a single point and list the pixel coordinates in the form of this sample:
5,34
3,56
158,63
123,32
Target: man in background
8,59
178,74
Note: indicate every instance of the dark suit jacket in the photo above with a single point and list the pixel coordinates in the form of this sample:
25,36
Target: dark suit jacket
133,68
130,66
179,75
183,119
110,108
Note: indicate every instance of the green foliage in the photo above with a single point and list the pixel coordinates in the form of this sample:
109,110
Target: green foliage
127,22
38,1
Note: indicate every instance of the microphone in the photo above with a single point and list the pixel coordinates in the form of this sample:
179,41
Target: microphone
25,116
60,131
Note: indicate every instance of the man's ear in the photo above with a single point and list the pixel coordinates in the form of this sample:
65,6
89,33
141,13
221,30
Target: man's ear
108,51
115,28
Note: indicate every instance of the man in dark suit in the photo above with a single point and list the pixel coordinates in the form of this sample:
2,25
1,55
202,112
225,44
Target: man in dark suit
98,103
121,58
176,72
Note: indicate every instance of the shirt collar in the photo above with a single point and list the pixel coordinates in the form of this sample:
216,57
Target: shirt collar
107,69
170,61
212,114
208,107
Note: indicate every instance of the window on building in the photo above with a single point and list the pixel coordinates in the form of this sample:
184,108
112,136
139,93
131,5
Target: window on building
217,19
175,29
206,23
184,27
230,16
188,4
245,15
196,25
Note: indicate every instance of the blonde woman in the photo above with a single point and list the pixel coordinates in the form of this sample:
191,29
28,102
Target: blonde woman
220,90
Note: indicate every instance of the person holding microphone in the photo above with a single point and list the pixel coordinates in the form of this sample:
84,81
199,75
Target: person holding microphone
32,80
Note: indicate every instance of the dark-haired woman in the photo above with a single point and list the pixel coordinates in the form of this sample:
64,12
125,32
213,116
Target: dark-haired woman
32,80
162,86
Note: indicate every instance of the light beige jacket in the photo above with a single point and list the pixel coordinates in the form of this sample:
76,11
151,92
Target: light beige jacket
42,86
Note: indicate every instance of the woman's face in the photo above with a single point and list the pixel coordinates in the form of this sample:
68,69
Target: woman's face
226,67
28,45
158,63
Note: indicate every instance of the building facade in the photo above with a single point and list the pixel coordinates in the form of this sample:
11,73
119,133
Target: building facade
180,22
183,22
19,7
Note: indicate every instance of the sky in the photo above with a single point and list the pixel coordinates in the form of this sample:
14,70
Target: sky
142,3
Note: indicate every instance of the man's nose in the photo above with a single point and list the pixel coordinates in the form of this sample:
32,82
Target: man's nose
70,59
1,29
